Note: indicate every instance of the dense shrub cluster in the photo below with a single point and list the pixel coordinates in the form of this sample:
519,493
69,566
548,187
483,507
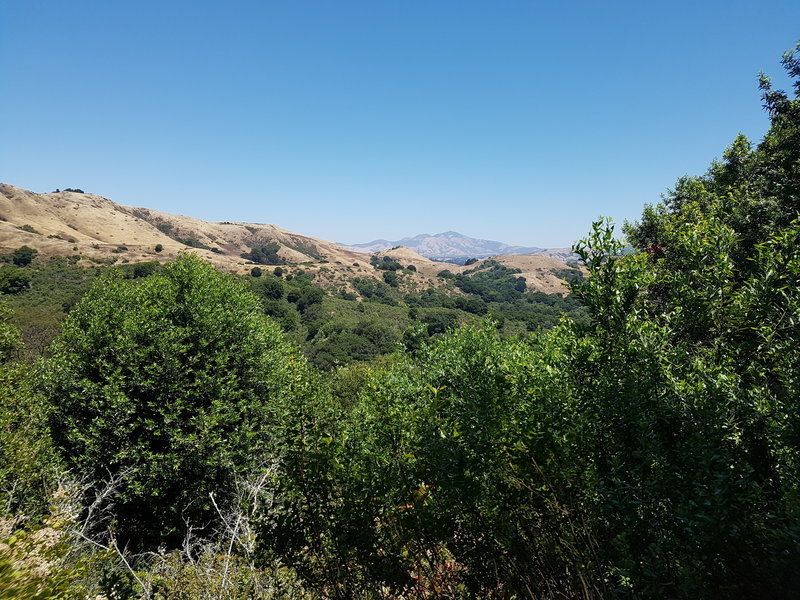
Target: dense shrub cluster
266,254
170,379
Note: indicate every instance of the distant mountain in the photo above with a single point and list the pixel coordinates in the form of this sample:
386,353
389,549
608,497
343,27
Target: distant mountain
449,246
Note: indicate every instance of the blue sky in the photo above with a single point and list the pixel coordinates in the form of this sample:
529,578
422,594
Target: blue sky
512,120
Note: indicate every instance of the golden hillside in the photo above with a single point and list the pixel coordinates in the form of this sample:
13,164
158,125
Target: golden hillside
97,230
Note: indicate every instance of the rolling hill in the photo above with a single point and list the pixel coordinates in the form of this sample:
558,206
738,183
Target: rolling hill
96,230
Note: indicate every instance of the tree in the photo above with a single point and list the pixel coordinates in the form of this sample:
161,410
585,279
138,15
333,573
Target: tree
391,278
264,255
172,381
269,288
14,280
23,256
158,247
144,269
309,297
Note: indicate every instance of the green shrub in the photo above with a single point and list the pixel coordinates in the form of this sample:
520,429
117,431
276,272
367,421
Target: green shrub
169,381
144,269
390,277
23,256
266,254
14,280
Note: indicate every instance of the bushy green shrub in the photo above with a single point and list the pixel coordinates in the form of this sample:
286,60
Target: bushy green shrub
170,381
266,254
23,256
14,280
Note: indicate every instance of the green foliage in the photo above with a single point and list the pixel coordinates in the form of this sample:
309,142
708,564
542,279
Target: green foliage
53,287
28,465
14,280
647,446
31,569
165,228
28,229
170,382
337,343
421,474
144,269
193,242
158,247
309,296
23,256
306,248
682,418
256,272
26,459
371,289
385,263
10,340
391,279
471,305
220,574
569,275
283,313
438,320
495,284
648,451
526,312
266,254
268,287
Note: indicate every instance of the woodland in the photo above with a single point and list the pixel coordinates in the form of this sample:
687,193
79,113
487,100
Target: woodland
175,432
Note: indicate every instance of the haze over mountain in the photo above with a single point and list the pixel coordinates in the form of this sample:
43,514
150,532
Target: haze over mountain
451,246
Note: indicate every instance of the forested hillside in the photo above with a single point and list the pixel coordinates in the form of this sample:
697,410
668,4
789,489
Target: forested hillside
193,434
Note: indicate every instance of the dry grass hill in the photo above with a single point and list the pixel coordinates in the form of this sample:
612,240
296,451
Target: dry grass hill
96,230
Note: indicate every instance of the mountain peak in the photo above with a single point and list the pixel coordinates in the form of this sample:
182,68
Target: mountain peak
447,246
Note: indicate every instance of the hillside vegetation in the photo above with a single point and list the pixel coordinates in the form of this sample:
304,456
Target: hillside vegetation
173,442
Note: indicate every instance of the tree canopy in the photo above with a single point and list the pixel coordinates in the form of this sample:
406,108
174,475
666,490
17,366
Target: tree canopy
170,381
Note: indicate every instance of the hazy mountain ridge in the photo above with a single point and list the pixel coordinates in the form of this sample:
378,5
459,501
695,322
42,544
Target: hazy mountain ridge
451,246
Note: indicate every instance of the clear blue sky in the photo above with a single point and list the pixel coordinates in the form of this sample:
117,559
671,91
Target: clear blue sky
514,120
